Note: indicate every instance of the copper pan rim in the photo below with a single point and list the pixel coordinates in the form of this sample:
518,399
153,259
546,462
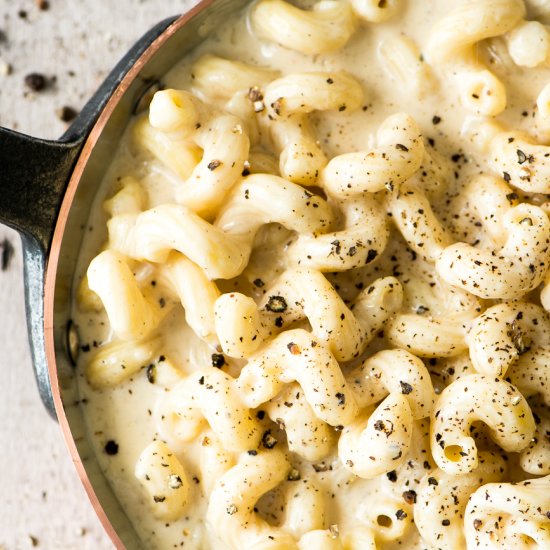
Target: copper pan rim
54,255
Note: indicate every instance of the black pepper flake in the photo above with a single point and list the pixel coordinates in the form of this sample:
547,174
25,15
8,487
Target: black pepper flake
522,157
213,164
477,524
85,348
392,476
337,247
252,452
341,398
406,388
342,108
67,113
401,147
436,120
400,514
111,447
427,465
276,304
352,251
432,481
268,441
506,177
42,5
258,282
232,509
7,254
36,82
278,322
260,415
371,255
322,467
409,497
151,373
446,522
218,360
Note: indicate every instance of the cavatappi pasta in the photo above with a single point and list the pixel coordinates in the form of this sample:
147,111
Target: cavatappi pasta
313,295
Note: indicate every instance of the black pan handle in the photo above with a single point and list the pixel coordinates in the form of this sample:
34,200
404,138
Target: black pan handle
33,176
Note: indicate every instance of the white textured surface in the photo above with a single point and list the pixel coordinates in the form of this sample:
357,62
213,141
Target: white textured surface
77,42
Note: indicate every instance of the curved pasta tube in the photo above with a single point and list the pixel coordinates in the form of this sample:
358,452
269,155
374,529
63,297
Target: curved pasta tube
327,27
389,517
524,163
222,78
297,356
305,508
375,11
529,44
118,361
207,396
398,156
503,333
313,91
441,501
535,458
377,304
215,461
394,371
131,315
509,515
225,149
165,480
516,269
530,373
223,249
362,239
301,159
242,326
175,150
287,100
223,142
477,398
195,291
427,337
454,38
131,199
491,199
377,442
413,215
402,62
306,435
231,512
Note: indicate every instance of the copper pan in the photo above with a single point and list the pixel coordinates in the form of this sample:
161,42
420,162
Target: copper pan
47,191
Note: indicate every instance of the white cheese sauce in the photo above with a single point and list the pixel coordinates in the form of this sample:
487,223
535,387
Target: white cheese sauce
123,414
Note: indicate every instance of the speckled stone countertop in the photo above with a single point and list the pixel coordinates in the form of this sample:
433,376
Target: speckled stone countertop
73,44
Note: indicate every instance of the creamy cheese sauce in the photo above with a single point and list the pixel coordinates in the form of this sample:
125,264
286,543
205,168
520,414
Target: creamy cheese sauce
123,414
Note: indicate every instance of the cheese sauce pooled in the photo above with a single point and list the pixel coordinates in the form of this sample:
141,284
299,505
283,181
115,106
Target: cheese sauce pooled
291,403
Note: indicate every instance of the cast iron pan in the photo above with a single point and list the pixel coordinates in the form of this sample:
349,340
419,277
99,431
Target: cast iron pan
47,188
